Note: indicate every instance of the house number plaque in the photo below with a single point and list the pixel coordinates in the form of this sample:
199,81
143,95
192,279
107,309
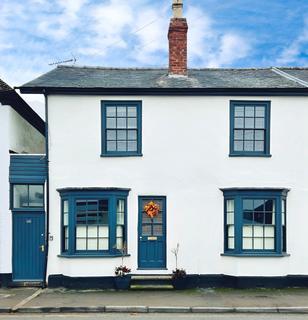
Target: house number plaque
152,238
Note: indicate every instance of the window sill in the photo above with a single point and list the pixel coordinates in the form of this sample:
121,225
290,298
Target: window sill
261,255
74,256
108,155
250,155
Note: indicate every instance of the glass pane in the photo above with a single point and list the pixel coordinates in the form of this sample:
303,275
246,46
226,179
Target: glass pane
111,111
120,231
249,123
248,217
249,111
36,196
258,218
132,146
247,243
259,146
111,146
65,206
230,243
20,196
146,218
111,135
258,205
92,244
268,205
260,111
132,135
120,243
132,122
270,218
247,231
238,145
81,231
239,134
248,145
121,112
258,243
258,231
230,205
260,123
248,134
121,145
103,231
111,123
239,111
146,230
132,111
121,123
239,122
120,211
65,219
103,244
230,218
248,204
269,231
81,244
157,230
230,231
92,232
121,135
259,134
269,244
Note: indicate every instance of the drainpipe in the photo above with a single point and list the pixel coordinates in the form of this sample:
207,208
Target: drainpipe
47,186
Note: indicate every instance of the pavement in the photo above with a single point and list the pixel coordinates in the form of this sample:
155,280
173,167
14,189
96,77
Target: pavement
33,300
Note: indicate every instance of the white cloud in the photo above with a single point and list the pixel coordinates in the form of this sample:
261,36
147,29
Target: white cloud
292,53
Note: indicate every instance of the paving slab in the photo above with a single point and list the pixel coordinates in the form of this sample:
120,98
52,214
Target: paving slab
11,297
222,298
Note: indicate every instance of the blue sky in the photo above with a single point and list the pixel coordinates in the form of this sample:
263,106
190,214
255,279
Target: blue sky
126,33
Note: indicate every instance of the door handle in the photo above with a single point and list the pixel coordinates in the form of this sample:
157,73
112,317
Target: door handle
42,247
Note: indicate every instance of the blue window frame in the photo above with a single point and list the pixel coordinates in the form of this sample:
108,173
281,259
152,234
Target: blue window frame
255,221
93,222
250,128
121,128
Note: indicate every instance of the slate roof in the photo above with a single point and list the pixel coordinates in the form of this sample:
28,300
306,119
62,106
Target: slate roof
8,96
96,77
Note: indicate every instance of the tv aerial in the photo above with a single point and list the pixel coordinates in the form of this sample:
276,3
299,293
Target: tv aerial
73,60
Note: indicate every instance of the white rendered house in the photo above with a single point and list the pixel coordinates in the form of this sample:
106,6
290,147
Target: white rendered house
218,155
22,134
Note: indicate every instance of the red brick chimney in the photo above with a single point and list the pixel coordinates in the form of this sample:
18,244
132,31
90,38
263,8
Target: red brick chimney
177,36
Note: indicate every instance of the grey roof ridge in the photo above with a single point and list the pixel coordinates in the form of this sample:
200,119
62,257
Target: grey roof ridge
289,77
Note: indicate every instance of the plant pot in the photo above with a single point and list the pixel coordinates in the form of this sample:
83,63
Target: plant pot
122,283
180,283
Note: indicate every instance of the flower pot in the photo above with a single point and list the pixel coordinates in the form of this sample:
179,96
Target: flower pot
180,283
122,283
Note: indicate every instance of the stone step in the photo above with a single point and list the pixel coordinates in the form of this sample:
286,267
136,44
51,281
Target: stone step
151,277
151,287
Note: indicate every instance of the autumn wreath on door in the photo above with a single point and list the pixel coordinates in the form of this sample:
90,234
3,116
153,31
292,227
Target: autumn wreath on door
152,209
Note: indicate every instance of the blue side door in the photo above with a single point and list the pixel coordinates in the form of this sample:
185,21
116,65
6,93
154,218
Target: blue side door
28,246
152,235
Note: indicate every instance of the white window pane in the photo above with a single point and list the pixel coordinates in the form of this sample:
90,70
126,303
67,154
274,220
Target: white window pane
269,244
230,218
247,231
119,243
248,145
121,134
121,146
66,244
92,231
132,146
132,123
230,205
247,243
66,232
92,244
259,146
103,244
239,111
119,231
231,231
111,123
132,135
258,231
81,244
249,111
132,111
260,112
238,145
249,123
104,231
260,124
65,206
230,243
121,111
269,231
81,231
258,243
121,123
111,111
111,135
65,219
111,146
259,135
120,206
248,134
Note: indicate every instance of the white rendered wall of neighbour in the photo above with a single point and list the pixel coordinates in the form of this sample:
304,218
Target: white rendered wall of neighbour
24,138
5,220
185,157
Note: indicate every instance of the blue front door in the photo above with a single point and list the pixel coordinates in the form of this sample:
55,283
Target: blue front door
28,246
152,234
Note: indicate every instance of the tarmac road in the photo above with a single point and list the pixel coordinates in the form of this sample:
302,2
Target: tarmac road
113,316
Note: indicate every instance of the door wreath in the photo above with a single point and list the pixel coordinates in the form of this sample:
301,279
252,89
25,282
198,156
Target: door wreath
152,209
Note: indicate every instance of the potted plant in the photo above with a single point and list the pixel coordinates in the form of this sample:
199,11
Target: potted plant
179,276
122,277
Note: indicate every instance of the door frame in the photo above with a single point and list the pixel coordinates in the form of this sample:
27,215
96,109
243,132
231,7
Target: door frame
139,230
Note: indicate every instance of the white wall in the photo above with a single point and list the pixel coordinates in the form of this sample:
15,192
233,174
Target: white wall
185,157
24,138
5,214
